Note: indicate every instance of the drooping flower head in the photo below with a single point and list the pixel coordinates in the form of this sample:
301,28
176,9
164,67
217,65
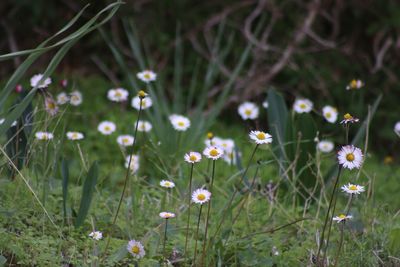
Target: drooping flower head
350,157
96,235
260,137
44,136
347,118
117,94
75,136
192,157
342,218
248,111
201,196
325,146
106,127
51,106
167,184
353,189
147,76
330,114
303,105
355,84
179,122
167,215
35,81
136,249
213,152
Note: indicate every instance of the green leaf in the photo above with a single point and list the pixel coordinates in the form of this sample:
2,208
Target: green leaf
394,241
87,194
3,260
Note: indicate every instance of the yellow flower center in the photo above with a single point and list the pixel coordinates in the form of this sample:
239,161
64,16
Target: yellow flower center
51,105
167,184
143,103
192,158
353,187
353,84
135,249
261,136
125,140
347,116
118,94
107,128
142,126
214,152
74,135
181,123
342,216
74,98
303,106
328,115
201,197
350,157
147,76
247,112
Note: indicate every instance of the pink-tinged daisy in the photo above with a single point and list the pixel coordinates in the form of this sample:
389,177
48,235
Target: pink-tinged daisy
213,152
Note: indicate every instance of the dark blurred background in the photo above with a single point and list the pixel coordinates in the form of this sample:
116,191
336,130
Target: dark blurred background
302,48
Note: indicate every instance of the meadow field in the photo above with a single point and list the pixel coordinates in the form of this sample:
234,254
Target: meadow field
189,161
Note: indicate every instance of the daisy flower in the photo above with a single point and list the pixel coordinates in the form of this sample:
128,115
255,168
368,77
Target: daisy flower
50,106
248,111
192,157
44,136
353,189
134,163
265,104
62,98
325,146
146,102
348,118
350,157
303,105
125,140
355,84
260,137
213,152
167,215
201,196
35,81
75,136
342,218
96,235
397,128
147,76
179,122
230,158
136,249
106,127
167,184
75,98
330,114
226,144
144,126
117,94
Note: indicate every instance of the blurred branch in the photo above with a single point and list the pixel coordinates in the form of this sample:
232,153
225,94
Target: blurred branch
381,54
11,42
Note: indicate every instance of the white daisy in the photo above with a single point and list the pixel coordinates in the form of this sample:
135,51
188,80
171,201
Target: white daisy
134,163
348,118
167,215
265,104
106,127
260,137
117,94
136,249
397,128
51,106
353,189
303,105
96,235
35,81
201,196
75,135
147,76
350,157
179,122
167,184
213,152
192,157
325,146
226,144
248,111
230,158
330,114
355,84
62,98
146,102
76,98
44,136
144,126
342,217
125,140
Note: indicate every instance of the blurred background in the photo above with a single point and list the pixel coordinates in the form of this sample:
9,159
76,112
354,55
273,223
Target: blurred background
311,49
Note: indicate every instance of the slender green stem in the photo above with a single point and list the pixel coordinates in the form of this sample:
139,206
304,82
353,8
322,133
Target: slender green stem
126,176
197,235
321,241
189,199
165,238
81,156
208,213
342,232
235,192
